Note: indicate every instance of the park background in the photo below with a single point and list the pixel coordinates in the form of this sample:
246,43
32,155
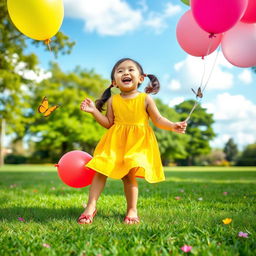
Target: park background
208,209
91,39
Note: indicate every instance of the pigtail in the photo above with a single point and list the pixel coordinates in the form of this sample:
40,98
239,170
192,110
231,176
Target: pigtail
154,86
104,97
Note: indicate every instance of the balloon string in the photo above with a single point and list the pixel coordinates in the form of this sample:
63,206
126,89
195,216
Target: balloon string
202,78
204,65
192,110
214,63
47,42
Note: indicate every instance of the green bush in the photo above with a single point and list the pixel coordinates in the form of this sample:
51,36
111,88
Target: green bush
15,159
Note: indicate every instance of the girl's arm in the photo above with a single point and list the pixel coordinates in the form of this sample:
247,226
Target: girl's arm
106,121
160,121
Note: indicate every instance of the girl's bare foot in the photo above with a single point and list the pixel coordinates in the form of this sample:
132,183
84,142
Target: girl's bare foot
131,217
87,216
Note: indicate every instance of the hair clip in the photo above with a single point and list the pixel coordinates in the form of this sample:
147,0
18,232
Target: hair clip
111,86
145,75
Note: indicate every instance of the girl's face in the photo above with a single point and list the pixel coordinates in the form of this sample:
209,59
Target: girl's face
127,76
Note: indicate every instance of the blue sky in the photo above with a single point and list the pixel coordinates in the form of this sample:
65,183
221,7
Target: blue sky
107,30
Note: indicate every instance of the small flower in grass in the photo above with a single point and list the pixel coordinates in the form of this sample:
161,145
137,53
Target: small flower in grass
227,221
200,199
46,245
177,197
225,193
35,190
186,248
21,219
182,190
242,234
13,185
53,188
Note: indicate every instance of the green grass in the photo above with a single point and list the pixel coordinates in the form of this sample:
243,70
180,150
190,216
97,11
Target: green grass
50,209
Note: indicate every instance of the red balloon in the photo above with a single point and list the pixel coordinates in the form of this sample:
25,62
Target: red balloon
250,12
217,16
72,170
239,45
194,40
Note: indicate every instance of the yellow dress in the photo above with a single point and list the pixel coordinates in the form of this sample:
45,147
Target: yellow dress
129,143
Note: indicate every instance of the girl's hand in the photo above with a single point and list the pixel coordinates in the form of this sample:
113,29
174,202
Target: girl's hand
180,127
87,105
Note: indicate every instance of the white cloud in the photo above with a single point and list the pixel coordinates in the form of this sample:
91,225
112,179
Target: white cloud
143,4
176,101
157,21
107,17
117,17
245,76
213,72
37,76
235,118
174,85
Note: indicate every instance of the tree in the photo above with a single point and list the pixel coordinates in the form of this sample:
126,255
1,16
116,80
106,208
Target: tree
199,128
231,150
215,157
14,63
172,145
248,156
67,128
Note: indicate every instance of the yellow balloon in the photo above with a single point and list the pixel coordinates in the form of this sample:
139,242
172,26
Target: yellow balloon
37,19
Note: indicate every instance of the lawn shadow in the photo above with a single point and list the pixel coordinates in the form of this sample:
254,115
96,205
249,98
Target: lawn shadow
48,183
46,215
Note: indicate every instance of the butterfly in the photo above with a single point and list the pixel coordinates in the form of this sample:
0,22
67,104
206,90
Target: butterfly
44,107
199,93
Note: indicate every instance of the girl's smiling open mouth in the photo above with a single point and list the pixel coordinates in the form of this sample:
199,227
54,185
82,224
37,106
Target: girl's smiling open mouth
126,80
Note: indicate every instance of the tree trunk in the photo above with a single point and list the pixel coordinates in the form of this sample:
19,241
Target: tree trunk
2,142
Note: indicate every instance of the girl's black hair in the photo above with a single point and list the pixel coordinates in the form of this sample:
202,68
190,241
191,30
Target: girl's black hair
152,87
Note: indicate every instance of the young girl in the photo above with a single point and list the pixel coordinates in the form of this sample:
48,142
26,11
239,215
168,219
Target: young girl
129,148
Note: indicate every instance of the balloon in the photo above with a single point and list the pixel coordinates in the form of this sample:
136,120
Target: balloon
239,45
250,12
37,19
185,2
72,170
217,16
194,40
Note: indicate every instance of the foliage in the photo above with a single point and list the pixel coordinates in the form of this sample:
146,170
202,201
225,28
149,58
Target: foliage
199,128
37,209
216,158
172,145
15,159
14,65
231,150
67,128
248,156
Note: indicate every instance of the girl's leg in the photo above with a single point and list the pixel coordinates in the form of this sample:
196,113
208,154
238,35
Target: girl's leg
131,194
96,188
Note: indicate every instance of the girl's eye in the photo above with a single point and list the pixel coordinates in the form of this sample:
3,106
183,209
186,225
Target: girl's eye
119,71
131,69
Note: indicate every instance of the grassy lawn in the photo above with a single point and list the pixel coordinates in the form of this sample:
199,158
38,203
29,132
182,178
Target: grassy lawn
188,208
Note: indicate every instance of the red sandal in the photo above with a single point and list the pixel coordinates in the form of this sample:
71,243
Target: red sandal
86,217
135,220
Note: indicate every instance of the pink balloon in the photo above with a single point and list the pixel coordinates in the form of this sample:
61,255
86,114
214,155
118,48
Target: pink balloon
194,40
239,45
72,170
217,16
250,12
